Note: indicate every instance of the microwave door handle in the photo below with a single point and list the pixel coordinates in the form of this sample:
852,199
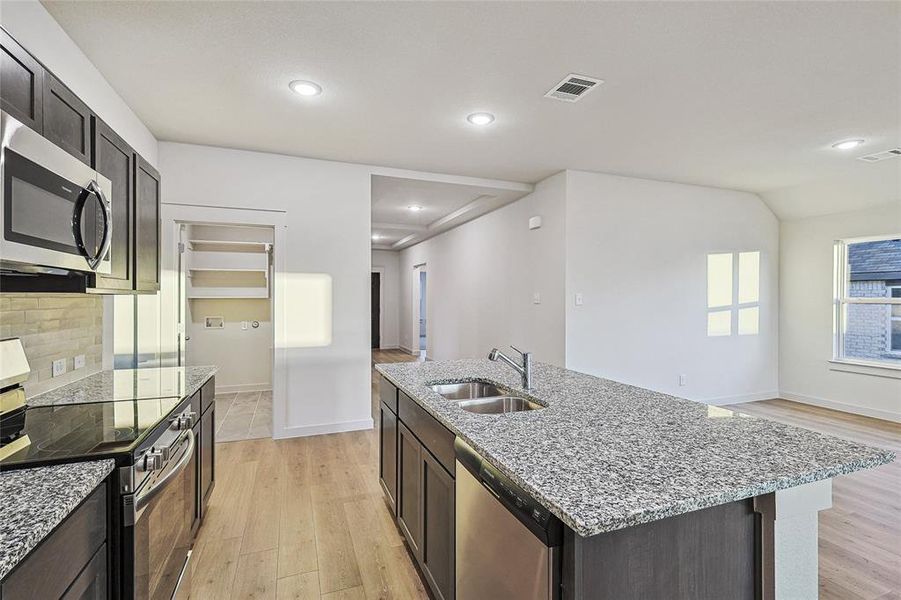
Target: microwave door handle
93,259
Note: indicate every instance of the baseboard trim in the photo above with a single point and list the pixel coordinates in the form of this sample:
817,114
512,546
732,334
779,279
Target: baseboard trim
243,387
864,411
407,350
323,428
741,398
395,347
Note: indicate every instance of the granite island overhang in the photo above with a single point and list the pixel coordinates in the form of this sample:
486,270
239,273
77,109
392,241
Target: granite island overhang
605,456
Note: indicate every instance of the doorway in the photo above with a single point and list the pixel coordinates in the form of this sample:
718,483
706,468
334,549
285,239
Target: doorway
375,299
419,343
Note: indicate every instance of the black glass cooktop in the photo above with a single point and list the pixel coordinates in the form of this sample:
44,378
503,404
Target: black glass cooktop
78,431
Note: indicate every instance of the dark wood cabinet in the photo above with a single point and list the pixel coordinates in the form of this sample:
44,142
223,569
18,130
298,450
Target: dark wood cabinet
114,159
409,496
207,455
147,227
388,455
72,557
416,473
67,120
438,505
21,83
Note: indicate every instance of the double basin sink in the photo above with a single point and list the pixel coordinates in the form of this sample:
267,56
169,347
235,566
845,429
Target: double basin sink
484,398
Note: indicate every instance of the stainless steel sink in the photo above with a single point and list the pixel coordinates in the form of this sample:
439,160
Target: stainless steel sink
469,389
499,405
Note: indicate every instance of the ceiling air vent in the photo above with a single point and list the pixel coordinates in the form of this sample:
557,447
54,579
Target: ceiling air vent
573,87
891,153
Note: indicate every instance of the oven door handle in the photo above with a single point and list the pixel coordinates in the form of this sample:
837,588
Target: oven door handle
77,215
156,488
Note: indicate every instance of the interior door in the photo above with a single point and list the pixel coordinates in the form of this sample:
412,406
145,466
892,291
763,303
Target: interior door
375,301
183,308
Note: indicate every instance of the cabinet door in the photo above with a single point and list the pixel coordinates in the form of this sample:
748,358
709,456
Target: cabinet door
91,583
67,120
409,502
21,83
114,159
147,227
207,455
437,527
388,455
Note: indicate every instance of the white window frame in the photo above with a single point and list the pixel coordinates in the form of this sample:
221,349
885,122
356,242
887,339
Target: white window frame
891,319
841,299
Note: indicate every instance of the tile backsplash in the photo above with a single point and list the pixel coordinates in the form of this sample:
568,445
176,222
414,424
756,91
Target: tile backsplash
54,326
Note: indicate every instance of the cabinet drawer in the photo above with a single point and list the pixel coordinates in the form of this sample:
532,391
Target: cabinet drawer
208,394
49,570
388,394
433,435
92,582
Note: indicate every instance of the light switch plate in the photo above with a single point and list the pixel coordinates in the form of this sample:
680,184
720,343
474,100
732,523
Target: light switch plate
536,298
578,299
59,367
682,379
79,362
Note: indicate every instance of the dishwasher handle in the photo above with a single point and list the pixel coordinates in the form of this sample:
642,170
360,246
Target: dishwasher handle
538,519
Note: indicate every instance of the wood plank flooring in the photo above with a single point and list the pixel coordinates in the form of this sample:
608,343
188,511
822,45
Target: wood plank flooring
304,518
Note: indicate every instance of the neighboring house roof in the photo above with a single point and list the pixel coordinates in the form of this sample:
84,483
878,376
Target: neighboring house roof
875,261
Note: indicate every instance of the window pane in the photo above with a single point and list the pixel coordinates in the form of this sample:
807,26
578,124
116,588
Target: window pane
719,280
873,268
719,323
896,335
748,278
748,321
870,333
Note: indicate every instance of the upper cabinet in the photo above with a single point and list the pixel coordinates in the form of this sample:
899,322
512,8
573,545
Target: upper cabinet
115,159
67,120
21,83
34,96
147,227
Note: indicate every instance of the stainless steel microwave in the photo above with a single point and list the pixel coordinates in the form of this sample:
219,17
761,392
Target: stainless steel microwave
56,215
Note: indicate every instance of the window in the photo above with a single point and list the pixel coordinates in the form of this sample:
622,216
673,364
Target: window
724,302
867,296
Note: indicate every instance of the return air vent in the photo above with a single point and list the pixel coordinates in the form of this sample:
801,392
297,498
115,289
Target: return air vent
891,153
573,87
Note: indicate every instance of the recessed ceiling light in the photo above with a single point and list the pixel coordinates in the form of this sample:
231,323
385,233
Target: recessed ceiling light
480,118
305,88
376,236
847,144
414,208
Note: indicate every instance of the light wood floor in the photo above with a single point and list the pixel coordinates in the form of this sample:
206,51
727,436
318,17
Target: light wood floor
304,518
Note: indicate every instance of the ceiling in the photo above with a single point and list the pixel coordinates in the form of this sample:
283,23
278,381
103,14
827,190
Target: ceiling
740,95
443,205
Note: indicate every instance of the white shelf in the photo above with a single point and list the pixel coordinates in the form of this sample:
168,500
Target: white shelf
261,246
225,292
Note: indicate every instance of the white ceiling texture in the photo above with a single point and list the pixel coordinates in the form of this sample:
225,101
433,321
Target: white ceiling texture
740,95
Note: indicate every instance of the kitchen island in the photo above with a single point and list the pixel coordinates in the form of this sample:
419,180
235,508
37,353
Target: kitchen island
624,467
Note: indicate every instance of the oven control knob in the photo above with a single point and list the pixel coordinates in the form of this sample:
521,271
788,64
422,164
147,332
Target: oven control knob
152,461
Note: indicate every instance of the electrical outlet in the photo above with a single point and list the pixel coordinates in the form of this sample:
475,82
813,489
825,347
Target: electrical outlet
79,362
683,380
59,367
578,299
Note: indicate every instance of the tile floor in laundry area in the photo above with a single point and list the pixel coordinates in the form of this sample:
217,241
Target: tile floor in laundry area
243,416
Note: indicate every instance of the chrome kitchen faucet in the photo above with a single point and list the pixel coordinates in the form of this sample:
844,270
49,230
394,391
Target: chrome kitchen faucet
525,369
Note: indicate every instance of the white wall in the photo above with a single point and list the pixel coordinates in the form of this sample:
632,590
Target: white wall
636,249
39,33
328,231
388,262
481,278
807,315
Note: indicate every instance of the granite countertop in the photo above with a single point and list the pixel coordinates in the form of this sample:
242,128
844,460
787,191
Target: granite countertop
34,501
128,384
605,455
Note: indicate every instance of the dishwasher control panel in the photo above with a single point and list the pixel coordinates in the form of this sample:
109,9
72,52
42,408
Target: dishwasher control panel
513,494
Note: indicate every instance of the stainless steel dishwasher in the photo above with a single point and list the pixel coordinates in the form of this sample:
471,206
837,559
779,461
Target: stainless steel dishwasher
508,545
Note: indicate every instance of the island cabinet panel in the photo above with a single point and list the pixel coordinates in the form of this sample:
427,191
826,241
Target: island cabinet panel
388,455
433,435
21,83
58,563
388,394
709,553
207,456
409,501
438,497
67,120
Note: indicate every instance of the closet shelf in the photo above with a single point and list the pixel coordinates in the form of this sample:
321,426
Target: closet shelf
244,245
